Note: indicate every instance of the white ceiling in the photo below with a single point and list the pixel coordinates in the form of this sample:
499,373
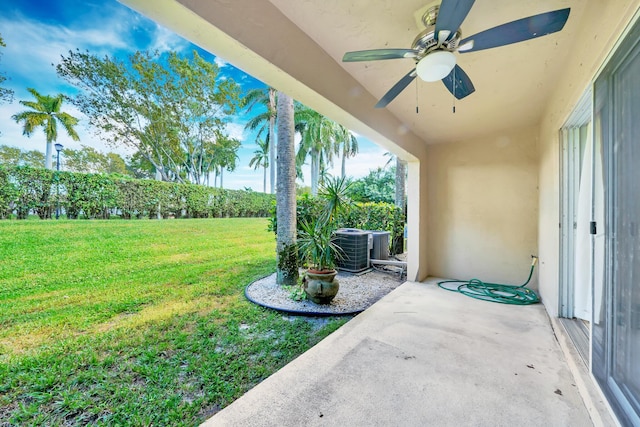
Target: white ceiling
512,82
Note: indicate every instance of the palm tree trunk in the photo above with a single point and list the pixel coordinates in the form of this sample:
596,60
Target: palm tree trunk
264,179
315,171
272,140
287,253
401,174
48,156
221,173
344,157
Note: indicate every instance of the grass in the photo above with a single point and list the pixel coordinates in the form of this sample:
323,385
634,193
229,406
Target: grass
136,322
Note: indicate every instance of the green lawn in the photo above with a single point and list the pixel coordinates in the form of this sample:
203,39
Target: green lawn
136,322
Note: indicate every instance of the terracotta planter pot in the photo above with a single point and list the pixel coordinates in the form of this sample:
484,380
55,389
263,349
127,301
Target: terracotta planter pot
321,286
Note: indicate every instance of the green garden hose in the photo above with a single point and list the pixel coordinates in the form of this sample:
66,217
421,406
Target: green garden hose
496,292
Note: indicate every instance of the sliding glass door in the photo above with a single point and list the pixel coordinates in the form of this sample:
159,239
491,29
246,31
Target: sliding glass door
616,294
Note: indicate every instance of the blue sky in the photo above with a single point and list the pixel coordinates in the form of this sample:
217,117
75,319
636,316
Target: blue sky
38,32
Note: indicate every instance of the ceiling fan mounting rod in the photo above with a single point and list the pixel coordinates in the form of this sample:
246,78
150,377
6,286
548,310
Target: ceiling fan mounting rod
425,42
430,16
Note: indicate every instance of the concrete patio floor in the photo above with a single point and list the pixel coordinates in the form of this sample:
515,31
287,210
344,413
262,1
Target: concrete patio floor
423,356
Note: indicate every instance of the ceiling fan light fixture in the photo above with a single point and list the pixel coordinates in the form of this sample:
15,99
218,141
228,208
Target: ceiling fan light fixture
436,65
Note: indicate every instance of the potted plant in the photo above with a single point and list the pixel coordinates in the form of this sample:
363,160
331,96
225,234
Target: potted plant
316,244
317,249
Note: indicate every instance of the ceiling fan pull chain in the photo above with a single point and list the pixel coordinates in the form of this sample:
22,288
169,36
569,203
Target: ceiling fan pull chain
417,97
454,90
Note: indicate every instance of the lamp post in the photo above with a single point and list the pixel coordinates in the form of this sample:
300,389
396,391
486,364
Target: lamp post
58,150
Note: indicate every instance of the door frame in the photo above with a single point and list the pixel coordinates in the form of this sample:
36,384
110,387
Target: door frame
569,176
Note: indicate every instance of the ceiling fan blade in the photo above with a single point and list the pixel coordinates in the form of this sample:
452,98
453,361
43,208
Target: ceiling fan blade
451,15
459,83
378,54
518,31
396,89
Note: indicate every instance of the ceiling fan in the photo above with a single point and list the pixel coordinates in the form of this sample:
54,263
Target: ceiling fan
433,49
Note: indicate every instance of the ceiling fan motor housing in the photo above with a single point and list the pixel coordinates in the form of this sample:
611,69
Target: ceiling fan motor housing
426,42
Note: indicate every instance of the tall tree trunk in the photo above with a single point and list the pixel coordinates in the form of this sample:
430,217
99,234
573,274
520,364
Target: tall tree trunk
287,273
48,156
315,171
344,157
401,176
397,245
264,179
221,173
272,139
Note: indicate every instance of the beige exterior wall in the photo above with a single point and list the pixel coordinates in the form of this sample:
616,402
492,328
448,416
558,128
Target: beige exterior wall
417,225
602,24
483,207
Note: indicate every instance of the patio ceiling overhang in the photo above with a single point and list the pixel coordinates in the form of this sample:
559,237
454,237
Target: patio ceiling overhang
297,47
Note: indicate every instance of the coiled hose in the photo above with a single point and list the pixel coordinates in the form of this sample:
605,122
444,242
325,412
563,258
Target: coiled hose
496,292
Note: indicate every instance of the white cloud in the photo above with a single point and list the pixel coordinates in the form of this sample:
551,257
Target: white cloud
33,46
220,62
236,130
165,40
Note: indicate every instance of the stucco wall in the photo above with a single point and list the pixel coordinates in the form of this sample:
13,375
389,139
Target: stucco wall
483,207
602,24
417,232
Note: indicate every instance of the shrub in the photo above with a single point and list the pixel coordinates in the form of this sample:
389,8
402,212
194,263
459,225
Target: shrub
365,216
8,193
24,189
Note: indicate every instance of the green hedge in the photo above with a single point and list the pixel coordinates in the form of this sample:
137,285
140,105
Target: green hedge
365,216
40,191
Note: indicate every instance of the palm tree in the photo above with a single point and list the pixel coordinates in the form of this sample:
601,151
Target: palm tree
318,141
401,178
226,156
45,112
261,159
287,270
264,122
349,144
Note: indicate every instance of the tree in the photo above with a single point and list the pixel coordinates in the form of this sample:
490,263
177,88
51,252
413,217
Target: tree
89,160
287,252
225,156
45,112
115,164
348,145
6,95
32,158
139,167
14,156
264,122
10,155
318,141
400,180
171,110
261,159
377,186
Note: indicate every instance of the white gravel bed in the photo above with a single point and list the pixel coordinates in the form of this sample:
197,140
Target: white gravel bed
357,292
